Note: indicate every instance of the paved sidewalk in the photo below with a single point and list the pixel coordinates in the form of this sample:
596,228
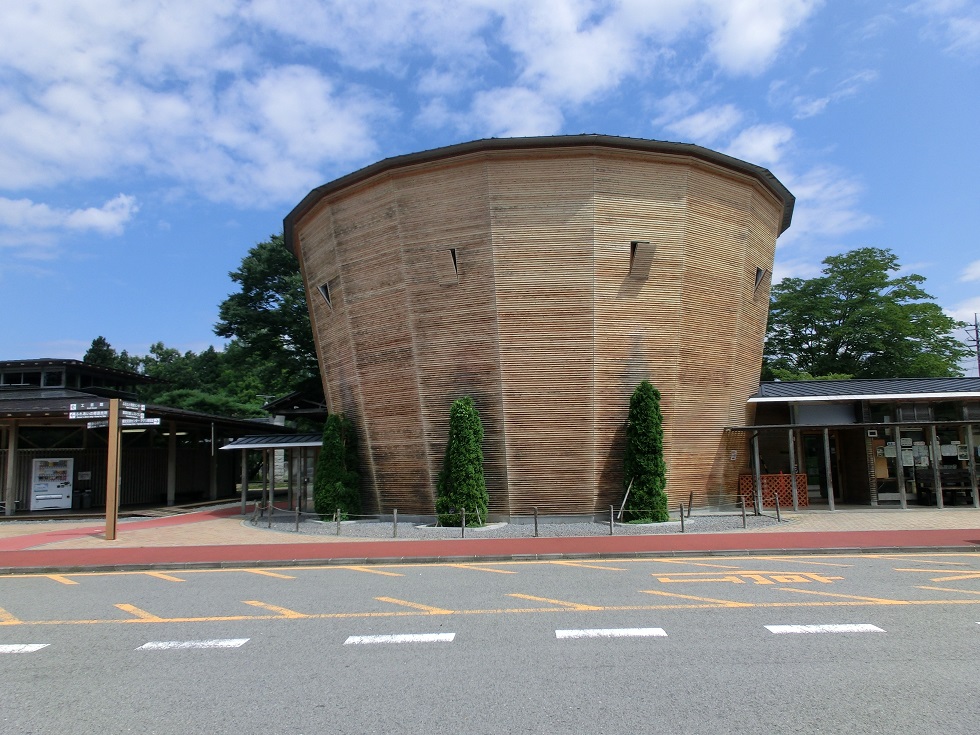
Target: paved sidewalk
220,537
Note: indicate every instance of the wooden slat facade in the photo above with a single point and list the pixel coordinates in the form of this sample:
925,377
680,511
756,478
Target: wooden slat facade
509,276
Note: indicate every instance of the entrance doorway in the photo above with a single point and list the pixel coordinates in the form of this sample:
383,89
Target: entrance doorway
815,466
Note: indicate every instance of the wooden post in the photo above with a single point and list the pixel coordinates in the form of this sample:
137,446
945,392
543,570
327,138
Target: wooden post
900,469
10,480
828,468
937,480
172,464
972,464
113,464
792,470
244,470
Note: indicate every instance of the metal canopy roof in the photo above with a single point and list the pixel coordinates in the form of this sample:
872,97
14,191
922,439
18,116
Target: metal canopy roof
276,441
867,389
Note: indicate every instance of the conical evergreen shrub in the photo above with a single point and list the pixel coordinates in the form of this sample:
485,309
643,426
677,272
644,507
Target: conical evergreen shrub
461,482
336,483
644,463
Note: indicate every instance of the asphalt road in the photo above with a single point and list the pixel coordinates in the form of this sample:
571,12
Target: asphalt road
611,646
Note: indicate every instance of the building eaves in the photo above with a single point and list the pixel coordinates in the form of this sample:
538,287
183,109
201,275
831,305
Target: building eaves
763,175
867,389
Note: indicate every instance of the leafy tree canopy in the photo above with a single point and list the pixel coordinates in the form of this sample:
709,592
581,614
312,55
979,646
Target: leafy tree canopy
461,485
644,467
860,319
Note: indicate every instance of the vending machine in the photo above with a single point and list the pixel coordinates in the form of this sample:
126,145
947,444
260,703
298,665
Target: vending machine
51,483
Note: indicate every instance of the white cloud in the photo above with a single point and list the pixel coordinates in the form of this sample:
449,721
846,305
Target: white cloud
763,145
707,126
24,216
971,272
805,106
749,33
966,310
513,111
827,205
954,23
794,268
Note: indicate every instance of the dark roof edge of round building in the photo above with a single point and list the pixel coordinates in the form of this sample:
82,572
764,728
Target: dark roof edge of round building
763,175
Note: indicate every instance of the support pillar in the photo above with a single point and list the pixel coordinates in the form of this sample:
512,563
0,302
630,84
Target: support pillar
10,479
828,468
758,473
244,471
213,468
937,479
972,464
900,469
792,470
172,464
113,464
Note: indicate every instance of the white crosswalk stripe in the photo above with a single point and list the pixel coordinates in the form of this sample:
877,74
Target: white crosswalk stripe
828,628
22,647
356,640
612,633
180,645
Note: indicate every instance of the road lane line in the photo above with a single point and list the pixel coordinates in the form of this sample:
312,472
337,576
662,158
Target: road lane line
141,614
562,603
948,589
693,564
61,579
22,647
711,600
264,573
476,568
184,645
166,577
859,598
612,633
369,570
357,640
8,618
564,563
829,628
416,606
284,611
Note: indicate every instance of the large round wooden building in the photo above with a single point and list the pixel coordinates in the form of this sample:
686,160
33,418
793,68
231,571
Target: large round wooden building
545,278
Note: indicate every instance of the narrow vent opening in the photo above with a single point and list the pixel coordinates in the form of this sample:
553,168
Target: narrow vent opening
641,258
324,290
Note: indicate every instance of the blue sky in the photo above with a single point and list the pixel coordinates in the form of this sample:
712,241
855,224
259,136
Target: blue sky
145,145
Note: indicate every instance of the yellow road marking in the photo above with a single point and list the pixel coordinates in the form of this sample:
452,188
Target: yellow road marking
794,560
564,563
481,569
416,606
369,570
563,603
60,578
696,564
141,614
949,589
268,574
161,575
710,600
875,600
756,577
8,619
284,611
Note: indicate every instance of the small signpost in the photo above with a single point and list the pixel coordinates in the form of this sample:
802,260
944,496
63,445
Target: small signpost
113,414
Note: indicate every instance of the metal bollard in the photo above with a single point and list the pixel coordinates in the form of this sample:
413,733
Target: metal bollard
682,517
611,521
535,521
297,516
271,506
690,503
741,502
394,524
775,497
336,515
462,523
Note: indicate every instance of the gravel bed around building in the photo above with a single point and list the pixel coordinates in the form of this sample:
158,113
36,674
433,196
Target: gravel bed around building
697,523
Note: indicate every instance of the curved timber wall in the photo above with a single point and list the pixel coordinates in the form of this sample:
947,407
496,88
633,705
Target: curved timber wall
545,281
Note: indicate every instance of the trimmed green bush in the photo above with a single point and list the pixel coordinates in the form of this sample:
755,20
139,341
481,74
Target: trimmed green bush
644,463
336,483
461,482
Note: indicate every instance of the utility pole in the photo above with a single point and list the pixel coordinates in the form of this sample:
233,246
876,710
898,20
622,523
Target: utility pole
974,339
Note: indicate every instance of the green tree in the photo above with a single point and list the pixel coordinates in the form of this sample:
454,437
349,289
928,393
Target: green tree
101,353
860,319
268,320
461,483
644,466
336,482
